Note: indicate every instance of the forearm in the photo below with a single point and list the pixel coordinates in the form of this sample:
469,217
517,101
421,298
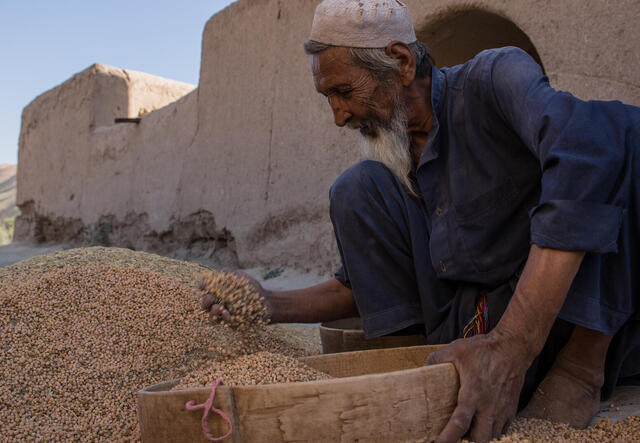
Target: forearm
326,301
539,296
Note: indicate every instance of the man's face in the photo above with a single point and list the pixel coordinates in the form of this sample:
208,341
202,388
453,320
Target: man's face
357,98
373,106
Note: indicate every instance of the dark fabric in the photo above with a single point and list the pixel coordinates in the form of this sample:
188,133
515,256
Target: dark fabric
510,162
383,237
381,233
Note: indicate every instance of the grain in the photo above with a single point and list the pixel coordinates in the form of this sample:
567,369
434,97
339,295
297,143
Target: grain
246,309
81,331
255,369
534,430
537,431
176,270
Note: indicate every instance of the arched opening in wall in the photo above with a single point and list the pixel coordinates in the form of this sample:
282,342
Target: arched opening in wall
458,34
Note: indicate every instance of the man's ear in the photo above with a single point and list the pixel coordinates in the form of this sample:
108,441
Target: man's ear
401,51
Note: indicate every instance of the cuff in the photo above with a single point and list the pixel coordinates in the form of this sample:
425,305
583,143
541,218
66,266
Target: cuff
576,226
341,276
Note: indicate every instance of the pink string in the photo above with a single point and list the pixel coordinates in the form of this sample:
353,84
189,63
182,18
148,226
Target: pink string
208,407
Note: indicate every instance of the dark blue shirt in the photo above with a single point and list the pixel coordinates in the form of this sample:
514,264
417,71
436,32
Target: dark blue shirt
509,162
506,148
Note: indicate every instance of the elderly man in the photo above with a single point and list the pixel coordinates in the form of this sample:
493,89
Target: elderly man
494,213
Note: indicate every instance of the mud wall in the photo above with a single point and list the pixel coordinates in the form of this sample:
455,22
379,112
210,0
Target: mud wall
241,166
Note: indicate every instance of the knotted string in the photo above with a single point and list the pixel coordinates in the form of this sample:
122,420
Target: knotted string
208,407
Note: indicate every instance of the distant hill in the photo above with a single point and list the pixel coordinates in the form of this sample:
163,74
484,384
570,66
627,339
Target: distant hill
8,191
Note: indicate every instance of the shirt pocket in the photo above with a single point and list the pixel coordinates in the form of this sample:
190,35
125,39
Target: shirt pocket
491,232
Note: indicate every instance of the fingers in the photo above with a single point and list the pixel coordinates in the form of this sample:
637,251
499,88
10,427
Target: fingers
207,301
461,419
482,429
457,425
505,415
500,428
218,313
506,426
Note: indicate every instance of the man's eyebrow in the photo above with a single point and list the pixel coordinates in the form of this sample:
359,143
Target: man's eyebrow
339,87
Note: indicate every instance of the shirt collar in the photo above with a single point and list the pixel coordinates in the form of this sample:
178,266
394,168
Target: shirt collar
432,145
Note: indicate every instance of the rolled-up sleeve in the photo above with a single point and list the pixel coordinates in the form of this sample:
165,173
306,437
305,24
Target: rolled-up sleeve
581,149
576,225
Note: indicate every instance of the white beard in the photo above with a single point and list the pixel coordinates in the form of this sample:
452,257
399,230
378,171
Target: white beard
391,147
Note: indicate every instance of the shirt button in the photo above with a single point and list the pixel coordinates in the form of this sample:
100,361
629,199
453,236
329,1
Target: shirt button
438,211
443,267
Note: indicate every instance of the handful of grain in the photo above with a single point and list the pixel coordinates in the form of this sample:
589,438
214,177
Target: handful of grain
246,309
260,368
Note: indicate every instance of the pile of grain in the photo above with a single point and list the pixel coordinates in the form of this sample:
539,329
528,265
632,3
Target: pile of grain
81,331
260,368
175,270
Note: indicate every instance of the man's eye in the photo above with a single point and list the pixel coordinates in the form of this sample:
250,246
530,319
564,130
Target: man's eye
346,93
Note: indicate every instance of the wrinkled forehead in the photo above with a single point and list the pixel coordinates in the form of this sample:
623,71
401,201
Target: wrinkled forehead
335,67
332,59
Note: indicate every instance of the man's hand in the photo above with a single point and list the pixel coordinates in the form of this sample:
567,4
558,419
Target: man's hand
492,366
491,369
219,313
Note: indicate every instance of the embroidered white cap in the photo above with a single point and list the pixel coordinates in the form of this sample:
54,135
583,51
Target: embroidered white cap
362,23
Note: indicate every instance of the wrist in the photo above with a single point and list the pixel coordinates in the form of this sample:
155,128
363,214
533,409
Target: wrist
522,344
525,323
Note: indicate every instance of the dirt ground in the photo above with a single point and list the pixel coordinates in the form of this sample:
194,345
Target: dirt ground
625,401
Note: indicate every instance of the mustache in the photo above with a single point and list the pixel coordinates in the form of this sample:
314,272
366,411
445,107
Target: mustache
369,124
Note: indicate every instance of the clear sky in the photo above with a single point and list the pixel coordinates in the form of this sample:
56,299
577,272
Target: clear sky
45,42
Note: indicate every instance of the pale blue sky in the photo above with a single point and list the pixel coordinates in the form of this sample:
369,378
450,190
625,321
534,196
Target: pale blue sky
44,42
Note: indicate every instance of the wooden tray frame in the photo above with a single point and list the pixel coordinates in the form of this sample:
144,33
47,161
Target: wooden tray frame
379,395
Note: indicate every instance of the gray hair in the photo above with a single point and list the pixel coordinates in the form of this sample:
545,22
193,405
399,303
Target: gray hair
377,61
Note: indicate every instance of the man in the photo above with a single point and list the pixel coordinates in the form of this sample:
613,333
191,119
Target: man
492,207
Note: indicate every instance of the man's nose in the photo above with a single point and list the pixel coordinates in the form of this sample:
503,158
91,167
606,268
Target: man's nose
340,114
